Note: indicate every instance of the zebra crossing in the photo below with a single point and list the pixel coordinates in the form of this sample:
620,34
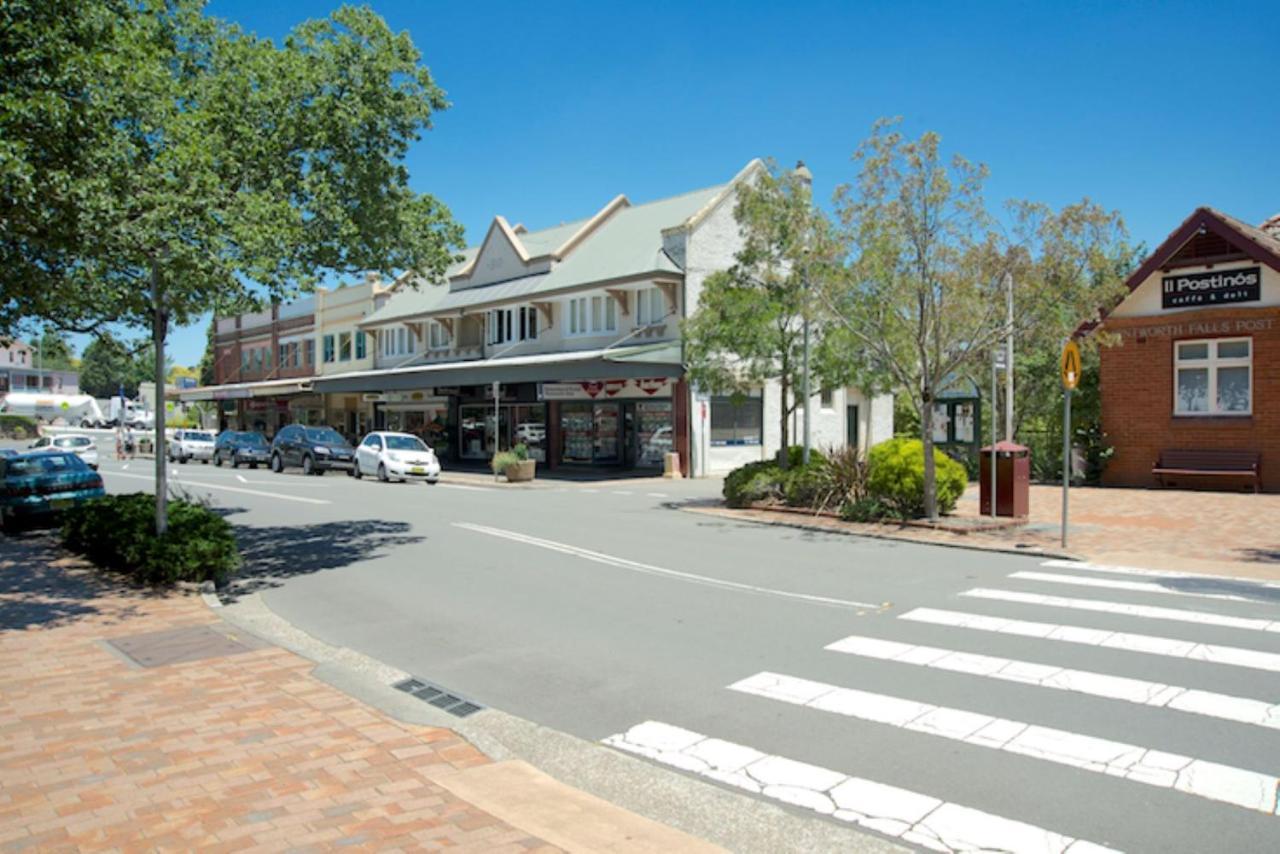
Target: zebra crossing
1134,638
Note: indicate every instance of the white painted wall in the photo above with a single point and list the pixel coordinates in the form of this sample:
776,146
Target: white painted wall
1146,298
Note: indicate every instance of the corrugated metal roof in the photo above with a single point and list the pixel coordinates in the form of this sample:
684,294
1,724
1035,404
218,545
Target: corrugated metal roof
629,243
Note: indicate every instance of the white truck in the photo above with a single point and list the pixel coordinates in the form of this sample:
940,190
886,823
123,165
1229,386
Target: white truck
76,409
121,410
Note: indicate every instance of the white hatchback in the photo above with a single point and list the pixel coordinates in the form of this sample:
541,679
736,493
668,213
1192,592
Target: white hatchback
84,447
191,445
398,456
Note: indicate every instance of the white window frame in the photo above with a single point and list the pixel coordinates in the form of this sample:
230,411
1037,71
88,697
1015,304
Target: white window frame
651,306
592,315
1212,363
438,337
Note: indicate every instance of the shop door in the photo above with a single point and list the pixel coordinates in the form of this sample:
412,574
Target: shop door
851,425
607,448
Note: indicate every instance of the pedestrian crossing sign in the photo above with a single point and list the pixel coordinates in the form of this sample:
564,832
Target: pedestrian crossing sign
1070,365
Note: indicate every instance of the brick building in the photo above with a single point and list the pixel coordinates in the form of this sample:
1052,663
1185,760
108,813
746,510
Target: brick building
1192,358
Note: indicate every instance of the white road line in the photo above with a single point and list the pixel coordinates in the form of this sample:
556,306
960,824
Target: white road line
656,494
1086,566
619,492
240,478
899,813
1210,780
1148,612
124,467
1149,644
648,569
260,492
465,487
1117,584
1139,691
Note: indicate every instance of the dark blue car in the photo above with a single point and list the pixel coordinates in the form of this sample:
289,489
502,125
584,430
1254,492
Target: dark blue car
35,488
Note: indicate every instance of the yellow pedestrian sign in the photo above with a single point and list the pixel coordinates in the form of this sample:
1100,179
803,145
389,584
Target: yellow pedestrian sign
1070,365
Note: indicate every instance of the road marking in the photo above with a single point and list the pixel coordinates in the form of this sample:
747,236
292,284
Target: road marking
1148,612
620,492
1117,584
1153,573
1150,644
899,813
623,563
240,478
1209,780
465,487
1139,691
260,492
124,467
656,494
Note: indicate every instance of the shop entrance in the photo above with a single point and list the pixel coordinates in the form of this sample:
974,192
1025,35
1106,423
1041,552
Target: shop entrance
591,433
517,423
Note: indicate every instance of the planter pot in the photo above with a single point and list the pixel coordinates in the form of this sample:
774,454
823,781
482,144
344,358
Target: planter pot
521,471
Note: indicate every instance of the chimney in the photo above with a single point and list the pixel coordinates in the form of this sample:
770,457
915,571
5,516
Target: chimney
803,174
1272,226
373,277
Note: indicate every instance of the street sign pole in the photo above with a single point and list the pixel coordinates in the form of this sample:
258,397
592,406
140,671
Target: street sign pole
995,370
1071,366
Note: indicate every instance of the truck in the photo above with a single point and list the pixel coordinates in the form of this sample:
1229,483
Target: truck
77,409
121,410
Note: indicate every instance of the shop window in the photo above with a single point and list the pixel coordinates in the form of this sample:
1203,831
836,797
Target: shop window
737,421
438,337
528,324
827,397
500,326
1213,377
328,348
344,346
578,316
361,346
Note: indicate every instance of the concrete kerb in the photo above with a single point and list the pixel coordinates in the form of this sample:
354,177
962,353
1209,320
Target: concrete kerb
729,513
735,821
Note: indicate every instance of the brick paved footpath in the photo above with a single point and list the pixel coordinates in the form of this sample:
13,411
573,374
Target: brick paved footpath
235,753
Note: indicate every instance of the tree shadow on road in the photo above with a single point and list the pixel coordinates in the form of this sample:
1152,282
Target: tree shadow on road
42,587
272,555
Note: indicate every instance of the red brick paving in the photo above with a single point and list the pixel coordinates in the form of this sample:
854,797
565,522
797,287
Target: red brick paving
241,753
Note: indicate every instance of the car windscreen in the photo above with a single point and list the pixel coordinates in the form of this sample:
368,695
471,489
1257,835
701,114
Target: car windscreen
248,440
326,435
193,436
405,443
43,464
72,441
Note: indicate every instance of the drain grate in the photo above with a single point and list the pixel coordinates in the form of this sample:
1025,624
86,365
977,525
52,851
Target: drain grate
441,698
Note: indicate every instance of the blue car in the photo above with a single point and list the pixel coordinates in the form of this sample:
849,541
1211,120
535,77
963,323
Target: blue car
35,488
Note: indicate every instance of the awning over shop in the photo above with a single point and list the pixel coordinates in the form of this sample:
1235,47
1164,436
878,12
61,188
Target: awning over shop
241,391
649,360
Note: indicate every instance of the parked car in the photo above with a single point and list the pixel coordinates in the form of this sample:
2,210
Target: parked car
313,449
396,455
85,447
36,487
187,445
5,453
241,447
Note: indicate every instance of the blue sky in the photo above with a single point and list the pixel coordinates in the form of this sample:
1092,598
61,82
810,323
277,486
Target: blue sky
1151,109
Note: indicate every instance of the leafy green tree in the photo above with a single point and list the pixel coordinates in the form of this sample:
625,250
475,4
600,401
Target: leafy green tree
748,327
107,364
191,166
924,294
204,371
55,352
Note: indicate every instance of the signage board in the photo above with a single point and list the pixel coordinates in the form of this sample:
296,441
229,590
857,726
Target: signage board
1070,365
1216,287
633,389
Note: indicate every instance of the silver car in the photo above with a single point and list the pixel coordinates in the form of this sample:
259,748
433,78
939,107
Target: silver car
79,444
187,445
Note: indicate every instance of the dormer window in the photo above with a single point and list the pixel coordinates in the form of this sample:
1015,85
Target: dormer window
513,324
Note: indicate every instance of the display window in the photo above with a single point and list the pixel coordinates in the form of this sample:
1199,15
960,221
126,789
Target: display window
654,432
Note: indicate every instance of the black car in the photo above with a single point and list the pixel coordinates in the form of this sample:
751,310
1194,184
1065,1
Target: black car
314,449
239,447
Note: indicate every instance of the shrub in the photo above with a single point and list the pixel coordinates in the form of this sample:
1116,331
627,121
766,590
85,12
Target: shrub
501,460
795,456
867,509
752,482
521,451
896,477
16,426
118,532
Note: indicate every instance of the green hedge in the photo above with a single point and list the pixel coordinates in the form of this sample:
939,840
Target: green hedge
897,477
17,427
118,532
768,481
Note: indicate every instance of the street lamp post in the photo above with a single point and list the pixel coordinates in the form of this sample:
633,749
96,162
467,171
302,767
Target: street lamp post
805,177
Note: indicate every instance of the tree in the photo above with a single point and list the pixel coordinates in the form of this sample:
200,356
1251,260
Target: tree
748,328
55,352
181,372
108,364
923,296
221,171
205,370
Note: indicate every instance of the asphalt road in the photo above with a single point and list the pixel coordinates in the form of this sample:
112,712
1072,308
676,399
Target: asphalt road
1015,706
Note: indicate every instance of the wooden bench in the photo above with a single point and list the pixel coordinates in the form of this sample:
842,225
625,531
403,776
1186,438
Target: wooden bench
1209,463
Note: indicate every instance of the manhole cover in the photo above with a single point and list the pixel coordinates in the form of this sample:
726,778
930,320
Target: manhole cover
174,646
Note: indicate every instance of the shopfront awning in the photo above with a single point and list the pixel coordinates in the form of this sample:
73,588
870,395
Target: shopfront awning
648,360
241,391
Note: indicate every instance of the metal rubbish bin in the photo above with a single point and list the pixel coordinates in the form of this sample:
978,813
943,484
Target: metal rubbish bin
1013,480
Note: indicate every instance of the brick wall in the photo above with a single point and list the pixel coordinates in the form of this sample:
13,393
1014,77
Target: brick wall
1137,392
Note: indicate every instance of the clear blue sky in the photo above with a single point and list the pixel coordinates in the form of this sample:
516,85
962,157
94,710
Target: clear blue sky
1148,108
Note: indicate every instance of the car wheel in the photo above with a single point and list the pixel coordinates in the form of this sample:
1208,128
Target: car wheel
217,461
382,473
277,465
308,465
253,465
235,462
355,471
204,462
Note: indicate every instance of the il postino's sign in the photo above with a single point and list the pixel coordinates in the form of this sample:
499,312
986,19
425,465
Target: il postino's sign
1213,288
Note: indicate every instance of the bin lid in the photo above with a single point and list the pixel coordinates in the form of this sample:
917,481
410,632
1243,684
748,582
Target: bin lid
1006,448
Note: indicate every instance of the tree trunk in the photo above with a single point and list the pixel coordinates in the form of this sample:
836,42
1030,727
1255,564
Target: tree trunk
159,322
930,473
784,457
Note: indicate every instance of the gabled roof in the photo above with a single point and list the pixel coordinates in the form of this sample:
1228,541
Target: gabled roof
1250,241
620,242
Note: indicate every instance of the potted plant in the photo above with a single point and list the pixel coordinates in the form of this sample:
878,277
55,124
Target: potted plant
515,464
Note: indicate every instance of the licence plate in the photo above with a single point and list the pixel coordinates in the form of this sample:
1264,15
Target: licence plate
61,503
418,470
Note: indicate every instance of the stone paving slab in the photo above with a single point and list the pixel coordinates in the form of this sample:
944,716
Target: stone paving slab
234,753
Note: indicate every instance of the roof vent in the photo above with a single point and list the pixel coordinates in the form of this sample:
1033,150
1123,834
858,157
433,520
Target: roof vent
372,277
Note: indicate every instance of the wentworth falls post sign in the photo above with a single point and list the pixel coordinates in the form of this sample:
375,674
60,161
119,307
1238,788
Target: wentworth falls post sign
1212,288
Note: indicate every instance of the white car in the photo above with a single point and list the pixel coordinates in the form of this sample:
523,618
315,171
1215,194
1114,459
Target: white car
188,445
82,446
396,455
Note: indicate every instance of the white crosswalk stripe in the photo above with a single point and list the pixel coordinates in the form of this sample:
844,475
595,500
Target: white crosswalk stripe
1129,642
1210,780
1139,691
1118,584
1085,566
1149,612
899,813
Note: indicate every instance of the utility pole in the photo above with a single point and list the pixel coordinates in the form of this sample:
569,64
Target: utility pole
805,177
1008,361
